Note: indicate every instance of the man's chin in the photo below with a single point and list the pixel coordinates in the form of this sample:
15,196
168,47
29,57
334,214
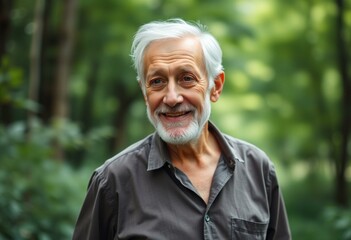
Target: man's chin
180,140
178,135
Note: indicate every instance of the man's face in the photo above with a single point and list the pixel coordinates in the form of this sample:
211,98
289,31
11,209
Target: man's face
176,95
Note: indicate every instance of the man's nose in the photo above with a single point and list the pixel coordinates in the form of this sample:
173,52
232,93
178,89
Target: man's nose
173,95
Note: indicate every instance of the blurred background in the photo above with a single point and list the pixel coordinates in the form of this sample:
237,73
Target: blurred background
69,100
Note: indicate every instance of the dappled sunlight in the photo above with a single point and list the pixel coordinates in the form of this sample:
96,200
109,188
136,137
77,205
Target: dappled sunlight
239,126
299,170
331,84
240,102
280,104
348,174
237,80
256,8
220,29
259,70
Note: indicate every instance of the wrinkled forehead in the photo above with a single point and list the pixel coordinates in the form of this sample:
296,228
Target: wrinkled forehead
171,44
166,49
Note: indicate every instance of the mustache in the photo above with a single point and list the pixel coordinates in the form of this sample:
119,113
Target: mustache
163,108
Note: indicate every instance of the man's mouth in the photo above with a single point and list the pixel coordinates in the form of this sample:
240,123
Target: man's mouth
175,114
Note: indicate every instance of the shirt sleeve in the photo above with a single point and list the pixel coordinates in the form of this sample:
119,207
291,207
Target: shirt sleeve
278,228
98,217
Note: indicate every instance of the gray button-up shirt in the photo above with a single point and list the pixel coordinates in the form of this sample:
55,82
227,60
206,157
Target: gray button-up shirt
138,194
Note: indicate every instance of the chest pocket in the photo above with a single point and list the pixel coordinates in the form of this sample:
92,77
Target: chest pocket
245,230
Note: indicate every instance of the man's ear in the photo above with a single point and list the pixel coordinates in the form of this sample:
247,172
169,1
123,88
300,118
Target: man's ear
218,87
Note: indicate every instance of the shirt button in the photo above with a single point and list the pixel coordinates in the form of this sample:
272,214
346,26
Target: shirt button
207,218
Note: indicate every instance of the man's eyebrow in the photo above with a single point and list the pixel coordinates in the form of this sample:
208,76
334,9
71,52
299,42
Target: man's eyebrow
179,69
189,69
186,68
155,71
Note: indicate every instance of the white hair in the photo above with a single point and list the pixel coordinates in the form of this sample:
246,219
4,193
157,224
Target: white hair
176,28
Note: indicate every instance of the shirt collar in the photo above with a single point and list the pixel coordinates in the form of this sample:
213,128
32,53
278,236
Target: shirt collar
229,151
159,156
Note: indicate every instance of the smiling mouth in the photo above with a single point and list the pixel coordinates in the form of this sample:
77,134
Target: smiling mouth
175,114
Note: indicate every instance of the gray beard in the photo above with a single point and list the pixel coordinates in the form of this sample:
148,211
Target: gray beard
193,131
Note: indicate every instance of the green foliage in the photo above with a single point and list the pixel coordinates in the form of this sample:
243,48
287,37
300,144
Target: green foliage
311,209
10,79
41,196
70,136
11,86
340,221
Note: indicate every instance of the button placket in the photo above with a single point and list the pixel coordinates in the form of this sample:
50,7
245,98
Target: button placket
207,218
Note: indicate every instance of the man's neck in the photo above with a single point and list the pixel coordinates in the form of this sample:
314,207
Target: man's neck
198,153
198,161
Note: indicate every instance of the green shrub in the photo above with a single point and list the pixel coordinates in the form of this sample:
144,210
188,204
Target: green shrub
40,196
340,221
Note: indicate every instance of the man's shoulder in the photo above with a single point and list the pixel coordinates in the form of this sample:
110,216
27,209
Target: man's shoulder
239,150
251,160
246,149
240,143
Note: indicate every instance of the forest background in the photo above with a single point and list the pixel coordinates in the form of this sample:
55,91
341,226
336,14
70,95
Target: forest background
69,100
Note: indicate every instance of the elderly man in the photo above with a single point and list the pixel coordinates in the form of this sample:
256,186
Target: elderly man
188,180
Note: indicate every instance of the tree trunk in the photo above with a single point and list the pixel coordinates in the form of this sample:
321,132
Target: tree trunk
125,100
60,101
341,181
64,59
86,115
35,56
48,60
5,25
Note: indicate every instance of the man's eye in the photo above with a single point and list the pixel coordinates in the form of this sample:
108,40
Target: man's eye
187,79
156,82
